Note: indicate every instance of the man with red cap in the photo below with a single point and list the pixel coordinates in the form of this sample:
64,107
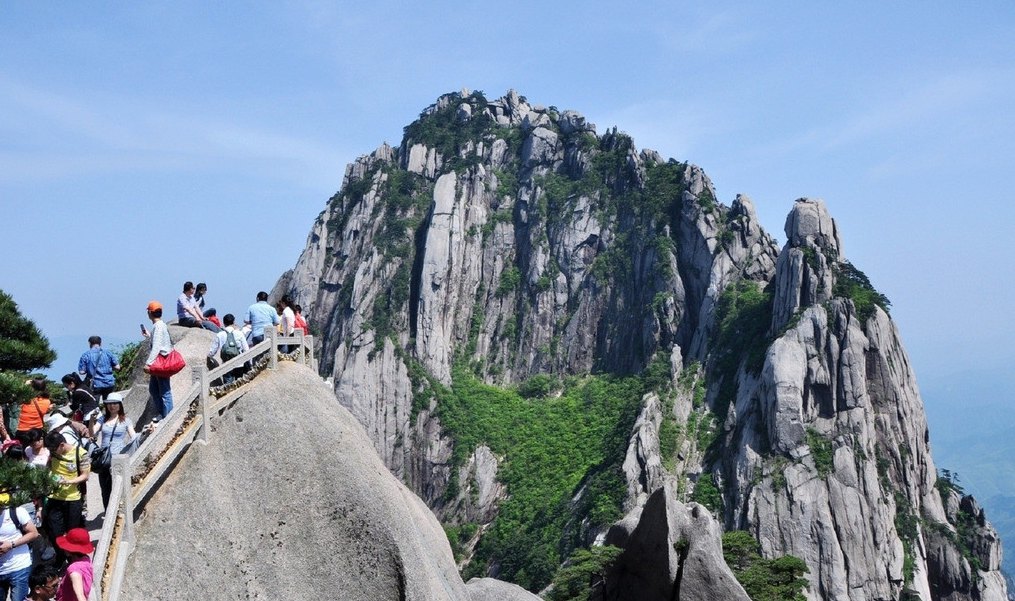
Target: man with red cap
158,387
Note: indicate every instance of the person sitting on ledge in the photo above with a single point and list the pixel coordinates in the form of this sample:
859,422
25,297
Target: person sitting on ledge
187,312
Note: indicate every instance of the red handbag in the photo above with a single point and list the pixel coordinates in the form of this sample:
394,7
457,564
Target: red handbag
167,365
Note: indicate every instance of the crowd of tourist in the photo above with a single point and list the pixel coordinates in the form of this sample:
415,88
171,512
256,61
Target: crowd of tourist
45,549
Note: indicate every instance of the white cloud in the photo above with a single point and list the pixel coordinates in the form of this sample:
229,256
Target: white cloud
59,135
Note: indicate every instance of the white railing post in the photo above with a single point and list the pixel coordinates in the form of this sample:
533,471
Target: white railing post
273,353
203,400
299,343
121,465
310,353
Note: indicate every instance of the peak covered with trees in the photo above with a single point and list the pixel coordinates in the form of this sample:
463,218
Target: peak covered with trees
541,328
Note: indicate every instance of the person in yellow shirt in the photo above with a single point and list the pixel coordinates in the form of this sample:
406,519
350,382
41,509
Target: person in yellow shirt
70,466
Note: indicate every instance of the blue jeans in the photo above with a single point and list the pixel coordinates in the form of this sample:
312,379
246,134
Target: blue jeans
161,395
16,583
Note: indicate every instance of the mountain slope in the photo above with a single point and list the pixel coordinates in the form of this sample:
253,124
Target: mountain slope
507,245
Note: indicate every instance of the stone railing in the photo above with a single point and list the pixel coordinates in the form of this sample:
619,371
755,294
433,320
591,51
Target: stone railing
136,477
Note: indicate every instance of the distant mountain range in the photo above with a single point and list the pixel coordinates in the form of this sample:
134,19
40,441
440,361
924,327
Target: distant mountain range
971,422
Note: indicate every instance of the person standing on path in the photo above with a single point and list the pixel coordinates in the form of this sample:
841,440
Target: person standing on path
115,430
261,315
33,413
70,466
99,364
158,387
15,549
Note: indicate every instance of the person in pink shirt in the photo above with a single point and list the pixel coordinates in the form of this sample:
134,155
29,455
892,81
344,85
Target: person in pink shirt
77,581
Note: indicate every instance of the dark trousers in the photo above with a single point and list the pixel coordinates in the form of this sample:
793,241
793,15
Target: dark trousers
190,322
58,518
105,485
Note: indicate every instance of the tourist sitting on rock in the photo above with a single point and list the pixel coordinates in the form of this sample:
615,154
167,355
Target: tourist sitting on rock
188,313
99,364
82,402
212,316
76,584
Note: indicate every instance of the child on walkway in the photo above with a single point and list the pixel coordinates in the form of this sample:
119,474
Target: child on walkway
77,581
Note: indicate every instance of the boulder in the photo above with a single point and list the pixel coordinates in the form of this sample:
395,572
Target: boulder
675,552
289,500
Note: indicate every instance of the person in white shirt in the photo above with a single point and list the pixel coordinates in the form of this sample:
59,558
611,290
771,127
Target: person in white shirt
15,554
231,342
158,387
288,322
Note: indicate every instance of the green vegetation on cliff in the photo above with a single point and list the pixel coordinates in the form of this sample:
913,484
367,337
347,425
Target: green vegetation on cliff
779,579
551,446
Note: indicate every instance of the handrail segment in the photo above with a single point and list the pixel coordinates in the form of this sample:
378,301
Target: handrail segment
136,476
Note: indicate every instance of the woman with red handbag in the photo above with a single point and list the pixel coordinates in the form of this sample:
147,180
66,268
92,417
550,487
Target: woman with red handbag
162,346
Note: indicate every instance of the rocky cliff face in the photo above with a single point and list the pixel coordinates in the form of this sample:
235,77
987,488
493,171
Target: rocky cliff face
511,239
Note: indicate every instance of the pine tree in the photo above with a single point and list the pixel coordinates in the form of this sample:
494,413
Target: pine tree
23,349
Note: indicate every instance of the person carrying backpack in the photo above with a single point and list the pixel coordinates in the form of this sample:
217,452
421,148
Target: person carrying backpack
99,364
230,343
17,531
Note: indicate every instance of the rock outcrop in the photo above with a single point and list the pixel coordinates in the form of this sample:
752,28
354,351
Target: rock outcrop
514,240
673,552
274,508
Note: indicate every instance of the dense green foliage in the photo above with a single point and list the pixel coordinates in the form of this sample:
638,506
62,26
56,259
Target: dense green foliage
779,579
821,452
550,447
967,528
584,570
707,494
443,131
23,349
743,316
853,284
128,354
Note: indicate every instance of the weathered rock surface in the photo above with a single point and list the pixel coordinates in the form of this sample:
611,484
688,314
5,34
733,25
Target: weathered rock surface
491,589
271,509
674,552
515,240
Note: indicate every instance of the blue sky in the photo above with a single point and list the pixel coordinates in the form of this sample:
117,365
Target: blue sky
144,144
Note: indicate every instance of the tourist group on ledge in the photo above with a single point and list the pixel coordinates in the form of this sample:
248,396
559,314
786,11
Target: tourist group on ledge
45,549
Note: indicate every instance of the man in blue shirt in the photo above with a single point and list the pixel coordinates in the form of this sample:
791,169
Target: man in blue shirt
260,315
99,364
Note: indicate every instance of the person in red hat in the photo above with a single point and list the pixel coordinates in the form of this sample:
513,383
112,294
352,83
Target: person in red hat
77,581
